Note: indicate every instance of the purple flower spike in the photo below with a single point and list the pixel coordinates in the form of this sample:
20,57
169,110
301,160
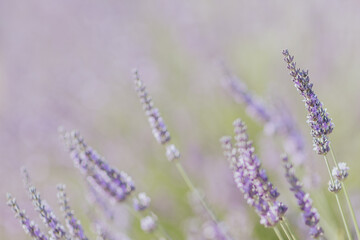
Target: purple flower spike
73,224
251,179
141,202
29,226
57,230
310,214
156,122
116,183
318,118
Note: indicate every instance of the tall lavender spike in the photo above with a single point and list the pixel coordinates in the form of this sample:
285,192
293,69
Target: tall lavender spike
29,226
117,183
73,224
156,122
310,214
251,179
57,230
318,118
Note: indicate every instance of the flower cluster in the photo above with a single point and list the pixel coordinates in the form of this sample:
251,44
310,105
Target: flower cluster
29,226
251,179
157,124
117,184
141,202
318,119
310,214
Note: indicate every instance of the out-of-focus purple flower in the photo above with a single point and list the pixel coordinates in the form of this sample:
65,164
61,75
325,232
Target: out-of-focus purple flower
251,179
156,122
172,153
310,214
57,230
141,202
149,223
73,224
318,118
341,172
276,120
255,107
116,183
29,226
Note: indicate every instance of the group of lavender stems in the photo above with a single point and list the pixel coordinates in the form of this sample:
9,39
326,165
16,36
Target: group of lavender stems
321,126
249,176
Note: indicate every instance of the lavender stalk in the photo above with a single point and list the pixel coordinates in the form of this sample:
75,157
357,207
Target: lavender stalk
73,224
29,226
251,179
321,126
310,214
163,137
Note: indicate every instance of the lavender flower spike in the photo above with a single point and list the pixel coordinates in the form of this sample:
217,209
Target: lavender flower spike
29,226
318,119
251,179
57,230
73,224
117,183
310,214
157,124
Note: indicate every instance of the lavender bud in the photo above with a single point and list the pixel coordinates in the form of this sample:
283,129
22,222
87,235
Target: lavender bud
341,171
148,223
172,153
141,202
335,187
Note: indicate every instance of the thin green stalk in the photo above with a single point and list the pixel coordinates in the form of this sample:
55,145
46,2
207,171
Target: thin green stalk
288,228
277,232
338,201
194,190
285,231
351,209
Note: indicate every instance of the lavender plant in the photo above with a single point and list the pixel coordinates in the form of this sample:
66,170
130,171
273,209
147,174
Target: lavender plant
321,126
162,136
252,180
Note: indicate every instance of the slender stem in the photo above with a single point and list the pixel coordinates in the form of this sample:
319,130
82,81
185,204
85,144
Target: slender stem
338,201
198,195
285,231
194,190
289,229
352,213
277,232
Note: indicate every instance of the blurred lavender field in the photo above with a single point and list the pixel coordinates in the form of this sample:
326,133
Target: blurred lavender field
68,63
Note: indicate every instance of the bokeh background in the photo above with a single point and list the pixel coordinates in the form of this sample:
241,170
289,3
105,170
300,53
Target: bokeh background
68,63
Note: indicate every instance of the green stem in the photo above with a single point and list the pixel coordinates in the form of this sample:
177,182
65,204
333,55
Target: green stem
285,231
338,201
289,229
277,232
194,190
352,213
198,195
